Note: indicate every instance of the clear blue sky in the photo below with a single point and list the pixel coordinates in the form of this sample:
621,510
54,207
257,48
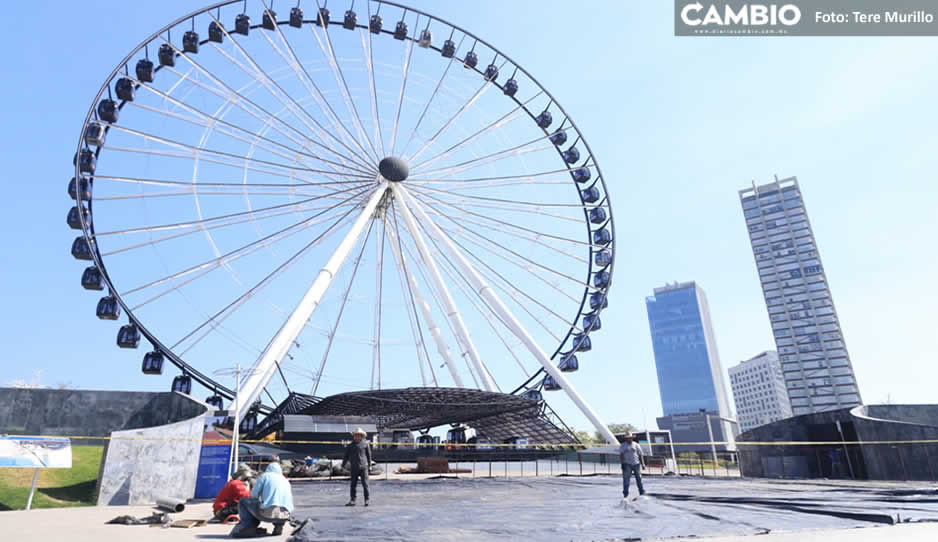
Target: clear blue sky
678,124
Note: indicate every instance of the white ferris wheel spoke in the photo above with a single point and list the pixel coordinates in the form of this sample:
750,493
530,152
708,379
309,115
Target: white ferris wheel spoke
303,75
462,332
198,150
271,84
218,125
201,227
406,272
376,354
510,152
482,307
190,223
404,72
342,305
224,261
229,309
510,289
372,86
341,83
227,92
286,336
516,113
234,253
505,314
237,98
478,94
436,90
422,355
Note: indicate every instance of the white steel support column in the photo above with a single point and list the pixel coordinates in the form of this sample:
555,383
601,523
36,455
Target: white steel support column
279,346
503,312
452,312
441,346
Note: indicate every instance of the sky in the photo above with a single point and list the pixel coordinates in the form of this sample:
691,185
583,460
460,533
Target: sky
679,125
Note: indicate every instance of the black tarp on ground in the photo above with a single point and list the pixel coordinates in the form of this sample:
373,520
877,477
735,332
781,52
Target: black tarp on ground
589,508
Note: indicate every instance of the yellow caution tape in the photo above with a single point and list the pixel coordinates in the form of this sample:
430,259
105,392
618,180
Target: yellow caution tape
547,445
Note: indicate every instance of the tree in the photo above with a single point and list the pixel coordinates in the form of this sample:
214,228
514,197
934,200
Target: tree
616,428
583,436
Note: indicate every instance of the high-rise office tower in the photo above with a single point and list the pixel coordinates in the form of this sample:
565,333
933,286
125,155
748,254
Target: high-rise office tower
759,391
690,376
815,364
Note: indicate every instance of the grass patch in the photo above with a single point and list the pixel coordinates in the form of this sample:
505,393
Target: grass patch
56,487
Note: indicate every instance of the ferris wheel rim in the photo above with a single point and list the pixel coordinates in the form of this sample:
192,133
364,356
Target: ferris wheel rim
212,384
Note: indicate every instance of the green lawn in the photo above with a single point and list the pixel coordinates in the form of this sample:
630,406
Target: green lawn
56,487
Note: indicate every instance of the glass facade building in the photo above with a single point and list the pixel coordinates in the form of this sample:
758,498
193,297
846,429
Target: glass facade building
690,376
815,364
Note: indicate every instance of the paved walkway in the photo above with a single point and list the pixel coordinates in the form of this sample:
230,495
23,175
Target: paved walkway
87,524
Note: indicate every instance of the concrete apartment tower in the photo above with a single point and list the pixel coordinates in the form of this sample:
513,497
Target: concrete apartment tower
690,376
815,364
759,391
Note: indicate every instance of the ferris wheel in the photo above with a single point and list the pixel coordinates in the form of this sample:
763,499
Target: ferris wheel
360,199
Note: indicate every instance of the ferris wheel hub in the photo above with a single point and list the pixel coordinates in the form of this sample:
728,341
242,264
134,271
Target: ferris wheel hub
393,169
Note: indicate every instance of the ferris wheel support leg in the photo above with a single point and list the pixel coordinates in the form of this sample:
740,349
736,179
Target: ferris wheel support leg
441,346
451,310
503,312
278,347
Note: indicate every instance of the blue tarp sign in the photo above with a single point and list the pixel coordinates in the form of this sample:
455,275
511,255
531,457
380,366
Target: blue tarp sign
213,467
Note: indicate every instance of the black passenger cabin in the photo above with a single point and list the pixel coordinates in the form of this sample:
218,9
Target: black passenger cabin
153,363
550,384
544,119
511,87
269,20
602,258
94,134
449,49
471,60
74,217
243,24
190,41
400,31
350,20
374,25
426,38
145,70
296,17
569,364
215,32
558,138
323,18
182,384
126,89
92,279
592,322
581,175
81,250
108,308
86,162
601,279
167,55
128,336
80,189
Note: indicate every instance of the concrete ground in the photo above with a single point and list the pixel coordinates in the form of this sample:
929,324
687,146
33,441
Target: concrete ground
558,508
